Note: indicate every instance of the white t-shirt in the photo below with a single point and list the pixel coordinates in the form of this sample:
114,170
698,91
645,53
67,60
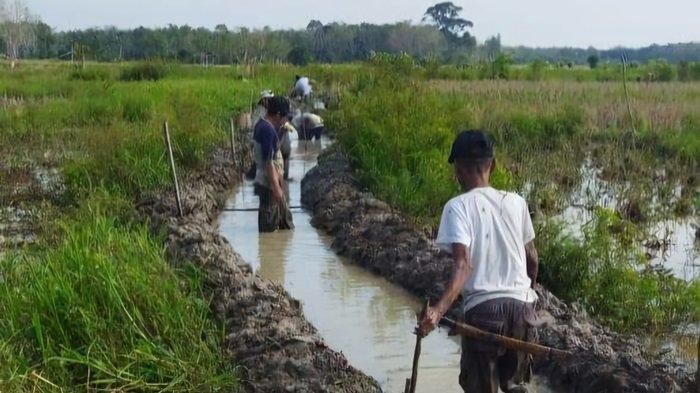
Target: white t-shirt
307,121
303,87
495,226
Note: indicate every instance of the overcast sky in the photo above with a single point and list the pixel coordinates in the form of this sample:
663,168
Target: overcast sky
600,23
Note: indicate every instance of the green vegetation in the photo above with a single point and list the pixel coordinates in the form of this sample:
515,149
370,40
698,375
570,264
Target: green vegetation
142,72
94,305
102,310
397,127
607,283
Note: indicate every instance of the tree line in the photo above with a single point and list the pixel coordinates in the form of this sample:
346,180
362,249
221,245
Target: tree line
444,36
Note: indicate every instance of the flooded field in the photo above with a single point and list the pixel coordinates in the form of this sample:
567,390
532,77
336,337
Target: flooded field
671,243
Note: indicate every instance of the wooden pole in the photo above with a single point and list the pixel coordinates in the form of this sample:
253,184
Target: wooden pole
510,343
233,141
623,57
172,167
253,209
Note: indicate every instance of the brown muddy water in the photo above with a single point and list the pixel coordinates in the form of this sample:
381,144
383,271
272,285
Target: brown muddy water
358,313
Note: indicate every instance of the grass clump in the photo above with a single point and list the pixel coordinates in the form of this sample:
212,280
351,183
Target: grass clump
147,71
88,74
102,310
611,279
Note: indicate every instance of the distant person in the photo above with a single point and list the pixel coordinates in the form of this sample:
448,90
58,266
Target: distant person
302,88
309,126
260,109
286,143
274,212
490,236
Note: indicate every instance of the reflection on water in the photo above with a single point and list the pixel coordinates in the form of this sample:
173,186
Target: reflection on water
359,314
679,253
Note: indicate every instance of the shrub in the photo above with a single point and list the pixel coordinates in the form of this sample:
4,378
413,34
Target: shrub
88,74
537,70
694,71
299,56
664,71
136,110
144,71
602,273
593,61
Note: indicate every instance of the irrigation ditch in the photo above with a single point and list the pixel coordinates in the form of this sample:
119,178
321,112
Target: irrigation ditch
369,233
274,347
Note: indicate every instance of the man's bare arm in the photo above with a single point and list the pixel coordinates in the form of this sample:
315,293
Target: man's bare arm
273,176
461,270
533,262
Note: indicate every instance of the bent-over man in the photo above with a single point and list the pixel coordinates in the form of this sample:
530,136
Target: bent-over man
490,236
286,143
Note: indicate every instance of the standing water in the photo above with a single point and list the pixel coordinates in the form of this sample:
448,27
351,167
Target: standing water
358,313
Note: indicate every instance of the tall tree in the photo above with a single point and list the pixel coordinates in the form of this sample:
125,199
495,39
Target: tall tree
492,47
445,16
16,28
319,33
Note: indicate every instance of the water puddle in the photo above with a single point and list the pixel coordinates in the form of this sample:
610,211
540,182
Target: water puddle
358,313
672,243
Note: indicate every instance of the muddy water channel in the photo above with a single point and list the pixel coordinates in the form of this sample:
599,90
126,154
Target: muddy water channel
360,314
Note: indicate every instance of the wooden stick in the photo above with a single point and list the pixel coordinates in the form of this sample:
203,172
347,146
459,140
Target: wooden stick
510,343
233,142
253,209
172,167
623,57
416,353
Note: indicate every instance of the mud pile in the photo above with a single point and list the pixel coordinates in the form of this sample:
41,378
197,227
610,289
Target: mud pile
277,349
27,194
367,231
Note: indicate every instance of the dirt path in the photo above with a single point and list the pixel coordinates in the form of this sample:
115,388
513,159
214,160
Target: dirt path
277,349
368,232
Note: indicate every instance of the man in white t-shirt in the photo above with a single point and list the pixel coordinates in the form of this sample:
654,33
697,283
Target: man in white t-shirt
302,87
490,236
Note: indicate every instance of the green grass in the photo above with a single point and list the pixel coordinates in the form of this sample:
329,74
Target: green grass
607,277
95,306
102,310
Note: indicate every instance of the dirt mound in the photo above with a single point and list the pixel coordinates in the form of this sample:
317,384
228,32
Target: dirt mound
268,337
367,231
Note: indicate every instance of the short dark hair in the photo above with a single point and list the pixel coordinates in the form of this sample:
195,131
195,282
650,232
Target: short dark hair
479,165
278,105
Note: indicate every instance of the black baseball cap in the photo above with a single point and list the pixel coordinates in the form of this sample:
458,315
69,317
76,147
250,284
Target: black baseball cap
278,105
471,145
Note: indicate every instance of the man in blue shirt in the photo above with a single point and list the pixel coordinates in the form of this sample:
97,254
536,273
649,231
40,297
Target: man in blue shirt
273,213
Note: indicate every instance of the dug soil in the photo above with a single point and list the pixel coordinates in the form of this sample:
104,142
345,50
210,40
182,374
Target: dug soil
274,347
370,233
